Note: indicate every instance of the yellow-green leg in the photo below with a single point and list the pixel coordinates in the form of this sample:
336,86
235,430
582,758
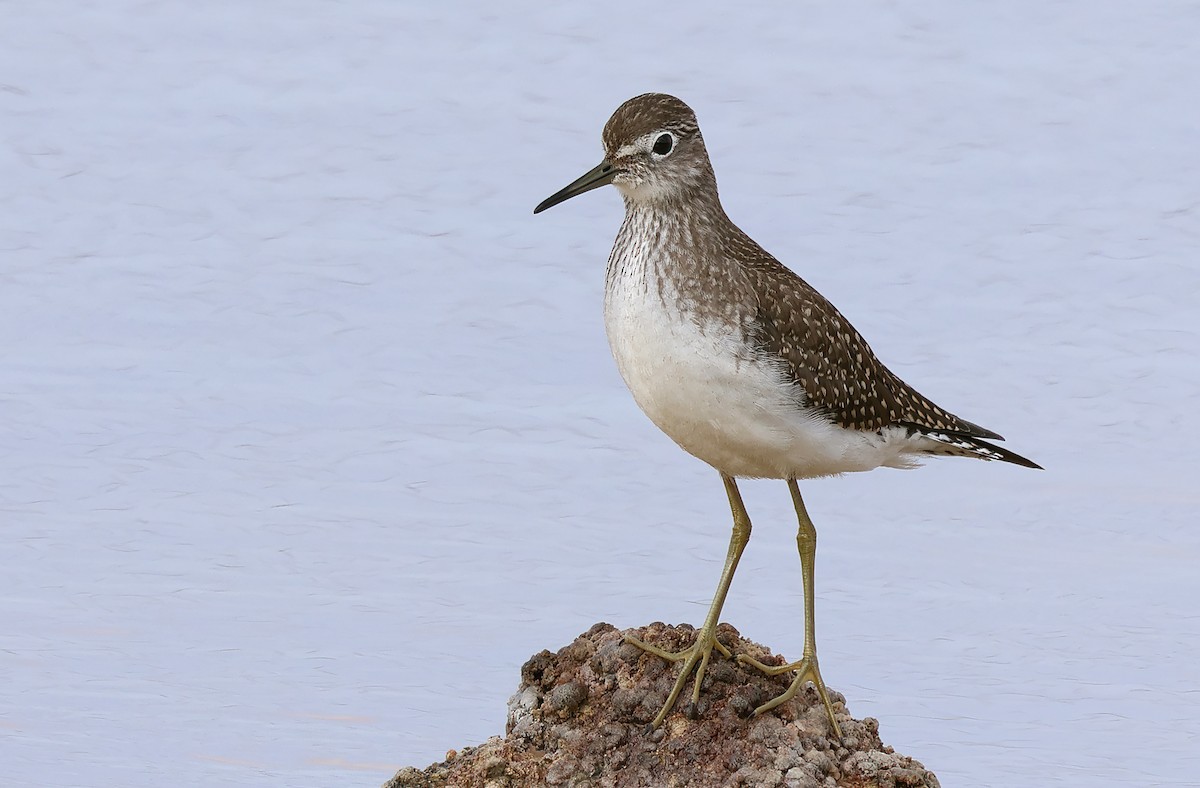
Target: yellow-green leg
697,655
806,668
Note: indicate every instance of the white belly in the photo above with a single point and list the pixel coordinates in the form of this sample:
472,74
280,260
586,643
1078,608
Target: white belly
725,404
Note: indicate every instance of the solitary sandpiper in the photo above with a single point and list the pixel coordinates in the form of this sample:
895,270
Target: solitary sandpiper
740,361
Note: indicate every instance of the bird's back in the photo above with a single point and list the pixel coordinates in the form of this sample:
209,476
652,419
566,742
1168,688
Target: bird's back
838,374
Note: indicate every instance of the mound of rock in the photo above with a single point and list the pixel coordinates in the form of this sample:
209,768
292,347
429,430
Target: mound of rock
580,718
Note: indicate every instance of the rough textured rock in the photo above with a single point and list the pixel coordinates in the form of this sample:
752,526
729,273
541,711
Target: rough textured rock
580,719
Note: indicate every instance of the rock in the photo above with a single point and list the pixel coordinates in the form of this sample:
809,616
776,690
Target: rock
579,719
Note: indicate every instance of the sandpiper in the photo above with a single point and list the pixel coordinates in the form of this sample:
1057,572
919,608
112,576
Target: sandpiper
740,361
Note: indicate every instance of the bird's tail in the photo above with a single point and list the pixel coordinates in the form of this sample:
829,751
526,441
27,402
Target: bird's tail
964,444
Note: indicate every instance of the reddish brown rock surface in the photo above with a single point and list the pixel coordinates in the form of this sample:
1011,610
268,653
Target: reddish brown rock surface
579,719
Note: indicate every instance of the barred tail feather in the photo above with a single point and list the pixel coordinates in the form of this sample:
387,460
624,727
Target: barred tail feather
961,444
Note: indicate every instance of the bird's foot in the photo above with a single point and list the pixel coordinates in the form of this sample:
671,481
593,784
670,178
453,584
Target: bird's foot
694,658
806,670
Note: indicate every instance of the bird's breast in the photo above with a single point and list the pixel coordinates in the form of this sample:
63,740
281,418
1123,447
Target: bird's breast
693,367
694,374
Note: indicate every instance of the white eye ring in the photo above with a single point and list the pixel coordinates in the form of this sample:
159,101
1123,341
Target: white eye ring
663,145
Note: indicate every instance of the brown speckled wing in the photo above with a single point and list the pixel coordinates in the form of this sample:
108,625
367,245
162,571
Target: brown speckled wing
830,360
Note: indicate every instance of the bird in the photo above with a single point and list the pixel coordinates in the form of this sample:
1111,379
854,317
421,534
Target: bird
743,363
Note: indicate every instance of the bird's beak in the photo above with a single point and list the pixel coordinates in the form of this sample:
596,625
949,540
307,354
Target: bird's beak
600,175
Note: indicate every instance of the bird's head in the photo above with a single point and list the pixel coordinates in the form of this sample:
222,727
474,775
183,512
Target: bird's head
653,152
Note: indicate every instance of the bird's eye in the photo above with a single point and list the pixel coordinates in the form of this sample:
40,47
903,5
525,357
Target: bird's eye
663,145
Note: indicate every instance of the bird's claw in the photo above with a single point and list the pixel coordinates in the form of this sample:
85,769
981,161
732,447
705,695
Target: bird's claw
806,670
694,657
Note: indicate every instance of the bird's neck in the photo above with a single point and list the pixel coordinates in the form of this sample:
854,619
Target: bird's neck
680,225
670,245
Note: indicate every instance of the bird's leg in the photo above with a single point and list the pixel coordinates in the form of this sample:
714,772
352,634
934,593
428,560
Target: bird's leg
697,655
806,668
